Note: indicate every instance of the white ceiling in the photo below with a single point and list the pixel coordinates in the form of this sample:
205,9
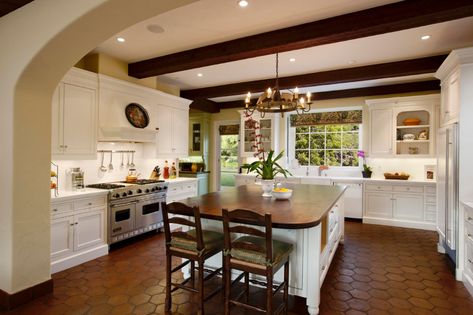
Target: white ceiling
211,21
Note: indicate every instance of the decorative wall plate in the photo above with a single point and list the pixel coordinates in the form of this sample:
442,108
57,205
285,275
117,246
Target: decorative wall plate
137,115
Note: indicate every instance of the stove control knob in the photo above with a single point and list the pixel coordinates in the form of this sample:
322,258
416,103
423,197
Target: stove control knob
153,189
130,192
147,191
159,188
124,194
139,191
165,187
116,195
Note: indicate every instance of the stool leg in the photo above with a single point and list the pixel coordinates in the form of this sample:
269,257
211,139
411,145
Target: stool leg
247,286
269,291
192,274
168,300
286,286
201,287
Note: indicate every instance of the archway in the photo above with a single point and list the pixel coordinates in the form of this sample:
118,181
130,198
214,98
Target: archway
40,43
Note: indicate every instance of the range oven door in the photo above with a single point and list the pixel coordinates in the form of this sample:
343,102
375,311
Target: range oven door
122,218
149,211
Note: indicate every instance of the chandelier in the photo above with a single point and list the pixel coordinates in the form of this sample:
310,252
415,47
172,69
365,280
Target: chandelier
275,101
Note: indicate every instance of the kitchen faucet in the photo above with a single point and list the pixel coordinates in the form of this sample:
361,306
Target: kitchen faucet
307,171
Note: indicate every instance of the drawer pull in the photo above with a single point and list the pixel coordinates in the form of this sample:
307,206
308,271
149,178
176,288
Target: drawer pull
72,224
323,268
470,218
469,260
332,212
55,210
90,203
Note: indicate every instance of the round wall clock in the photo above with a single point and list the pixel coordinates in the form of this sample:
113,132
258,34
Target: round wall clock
137,115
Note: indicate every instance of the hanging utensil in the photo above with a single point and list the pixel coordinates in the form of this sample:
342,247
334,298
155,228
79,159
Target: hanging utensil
123,156
102,167
132,164
128,159
110,165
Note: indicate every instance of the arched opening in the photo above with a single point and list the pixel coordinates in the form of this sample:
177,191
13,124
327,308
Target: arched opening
43,40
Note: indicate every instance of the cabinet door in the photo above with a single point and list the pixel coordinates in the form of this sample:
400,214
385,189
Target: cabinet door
164,136
180,132
381,135
57,122
408,207
61,237
195,138
203,185
379,205
89,229
451,99
80,107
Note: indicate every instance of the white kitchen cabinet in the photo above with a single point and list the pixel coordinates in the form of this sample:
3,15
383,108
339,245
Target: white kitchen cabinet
450,89
379,205
78,230
408,207
381,132
353,199
172,137
74,120
62,237
89,229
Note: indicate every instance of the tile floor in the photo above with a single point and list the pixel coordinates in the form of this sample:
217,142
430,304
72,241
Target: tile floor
379,270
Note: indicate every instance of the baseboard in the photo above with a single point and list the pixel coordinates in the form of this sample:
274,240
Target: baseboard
400,223
468,282
10,301
360,220
79,258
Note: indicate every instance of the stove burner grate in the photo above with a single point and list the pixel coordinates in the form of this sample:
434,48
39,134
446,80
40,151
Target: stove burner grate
105,186
147,181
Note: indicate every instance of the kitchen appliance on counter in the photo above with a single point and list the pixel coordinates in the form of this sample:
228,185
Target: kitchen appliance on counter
135,208
447,189
77,178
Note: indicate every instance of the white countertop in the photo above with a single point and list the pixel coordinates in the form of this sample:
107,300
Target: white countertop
359,179
65,195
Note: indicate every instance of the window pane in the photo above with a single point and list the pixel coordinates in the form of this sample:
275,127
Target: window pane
334,141
350,140
334,157
354,127
302,129
318,128
317,141
303,157
334,128
350,158
302,141
317,157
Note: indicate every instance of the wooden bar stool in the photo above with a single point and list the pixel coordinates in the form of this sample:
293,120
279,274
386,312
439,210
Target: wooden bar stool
195,245
257,253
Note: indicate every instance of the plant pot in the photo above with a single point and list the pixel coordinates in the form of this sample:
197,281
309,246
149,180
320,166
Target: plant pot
366,174
267,186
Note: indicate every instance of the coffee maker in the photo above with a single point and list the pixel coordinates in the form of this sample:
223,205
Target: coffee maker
77,178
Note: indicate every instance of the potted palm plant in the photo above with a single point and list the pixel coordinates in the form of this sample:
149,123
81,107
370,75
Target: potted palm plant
267,168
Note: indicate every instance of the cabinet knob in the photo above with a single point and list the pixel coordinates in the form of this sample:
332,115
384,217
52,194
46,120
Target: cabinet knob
90,203
72,224
469,260
55,210
323,268
76,223
470,218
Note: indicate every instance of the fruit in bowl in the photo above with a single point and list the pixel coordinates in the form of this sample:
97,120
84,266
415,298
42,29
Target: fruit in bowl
282,193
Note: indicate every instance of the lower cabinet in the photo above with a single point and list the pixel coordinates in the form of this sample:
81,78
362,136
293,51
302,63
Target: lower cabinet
78,230
404,206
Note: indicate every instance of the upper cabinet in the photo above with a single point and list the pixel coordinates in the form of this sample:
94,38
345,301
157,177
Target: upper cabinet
172,124
403,126
74,116
258,133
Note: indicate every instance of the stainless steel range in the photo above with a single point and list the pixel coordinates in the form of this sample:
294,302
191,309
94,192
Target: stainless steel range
133,209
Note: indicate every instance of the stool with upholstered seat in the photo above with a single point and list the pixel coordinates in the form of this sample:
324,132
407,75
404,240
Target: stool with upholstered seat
256,253
195,245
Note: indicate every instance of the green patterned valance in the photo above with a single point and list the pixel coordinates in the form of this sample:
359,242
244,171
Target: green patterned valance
327,118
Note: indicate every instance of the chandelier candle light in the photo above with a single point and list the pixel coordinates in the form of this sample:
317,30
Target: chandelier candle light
275,101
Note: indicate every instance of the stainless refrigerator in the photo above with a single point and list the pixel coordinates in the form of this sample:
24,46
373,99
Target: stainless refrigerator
447,188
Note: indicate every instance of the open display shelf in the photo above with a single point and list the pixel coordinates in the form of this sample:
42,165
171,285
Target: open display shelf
419,145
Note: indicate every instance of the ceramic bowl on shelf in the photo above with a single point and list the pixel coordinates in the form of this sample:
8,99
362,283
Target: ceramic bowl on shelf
411,122
282,193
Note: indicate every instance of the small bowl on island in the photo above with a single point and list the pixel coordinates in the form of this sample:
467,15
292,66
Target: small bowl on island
281,193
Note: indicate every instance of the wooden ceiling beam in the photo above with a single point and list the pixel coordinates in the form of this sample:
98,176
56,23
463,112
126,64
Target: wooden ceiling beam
422,86
379,20
205,105
371,72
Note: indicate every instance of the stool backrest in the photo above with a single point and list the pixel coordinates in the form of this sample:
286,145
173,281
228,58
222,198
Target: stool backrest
181,209
252,218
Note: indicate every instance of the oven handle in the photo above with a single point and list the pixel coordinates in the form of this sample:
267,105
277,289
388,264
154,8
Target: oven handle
123,204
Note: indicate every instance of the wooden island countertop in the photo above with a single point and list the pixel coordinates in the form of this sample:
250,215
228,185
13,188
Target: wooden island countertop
305,209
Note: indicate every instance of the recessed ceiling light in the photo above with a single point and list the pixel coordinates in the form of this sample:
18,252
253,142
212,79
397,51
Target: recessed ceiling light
425,37
243,3
292,59
200,75
120,39
155,28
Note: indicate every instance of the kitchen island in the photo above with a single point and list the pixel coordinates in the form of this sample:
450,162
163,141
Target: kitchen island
311,220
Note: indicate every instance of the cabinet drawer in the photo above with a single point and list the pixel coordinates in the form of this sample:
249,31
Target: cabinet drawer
372,187
89,203
189,186
468,214
431,199
174,189
469,233
430,190
411,189
61,207
469,258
